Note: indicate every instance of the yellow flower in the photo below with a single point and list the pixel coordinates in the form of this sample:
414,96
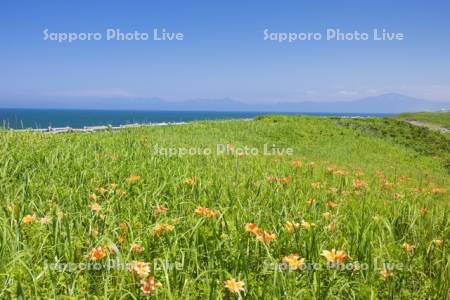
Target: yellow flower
438,243
408,247
207,212
331,227
266,237
260,234
307,225
95,207
190,181
97,253
139,268
234,286
271,178
293,261
386,273
291,226
162,228
61,215
311,201
133,178
331,168
331,204
45,220
120,192
327,215
148,285
438,191
94,232
359,173
334,256
28,219
137,248
333,190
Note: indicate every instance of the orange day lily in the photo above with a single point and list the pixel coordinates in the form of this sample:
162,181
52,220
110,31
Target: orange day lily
334,256
133,178
139,268
163,228
28,219
408,247
97,253
234,286
291,226
260,234
95,207
190,181
149,285
207,212
137,248
293,261
386,273
307,225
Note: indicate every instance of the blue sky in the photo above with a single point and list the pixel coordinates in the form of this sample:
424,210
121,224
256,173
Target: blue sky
224,53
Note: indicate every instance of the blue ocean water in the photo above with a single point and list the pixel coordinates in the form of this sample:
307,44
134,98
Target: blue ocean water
43,118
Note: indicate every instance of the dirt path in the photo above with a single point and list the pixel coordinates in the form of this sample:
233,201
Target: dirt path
430,126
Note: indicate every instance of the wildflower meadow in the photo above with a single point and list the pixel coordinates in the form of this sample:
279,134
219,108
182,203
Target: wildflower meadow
337,209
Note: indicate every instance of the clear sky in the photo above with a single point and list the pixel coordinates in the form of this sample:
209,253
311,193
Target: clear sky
224,53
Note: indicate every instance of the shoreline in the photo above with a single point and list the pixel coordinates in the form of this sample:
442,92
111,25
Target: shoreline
73,120
96,128
88,129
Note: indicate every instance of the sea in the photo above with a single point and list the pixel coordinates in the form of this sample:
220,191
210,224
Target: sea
44,118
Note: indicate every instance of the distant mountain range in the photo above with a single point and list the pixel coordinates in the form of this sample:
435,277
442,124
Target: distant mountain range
386,103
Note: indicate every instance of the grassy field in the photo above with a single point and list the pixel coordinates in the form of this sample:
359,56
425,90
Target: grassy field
441,119
111,215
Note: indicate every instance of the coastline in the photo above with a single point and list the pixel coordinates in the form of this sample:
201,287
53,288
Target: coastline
95,128
24,119
88,129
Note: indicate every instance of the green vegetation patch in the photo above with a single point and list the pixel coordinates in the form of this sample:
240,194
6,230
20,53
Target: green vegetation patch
421,139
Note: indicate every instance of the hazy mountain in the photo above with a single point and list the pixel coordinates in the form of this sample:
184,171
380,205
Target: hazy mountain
387,103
